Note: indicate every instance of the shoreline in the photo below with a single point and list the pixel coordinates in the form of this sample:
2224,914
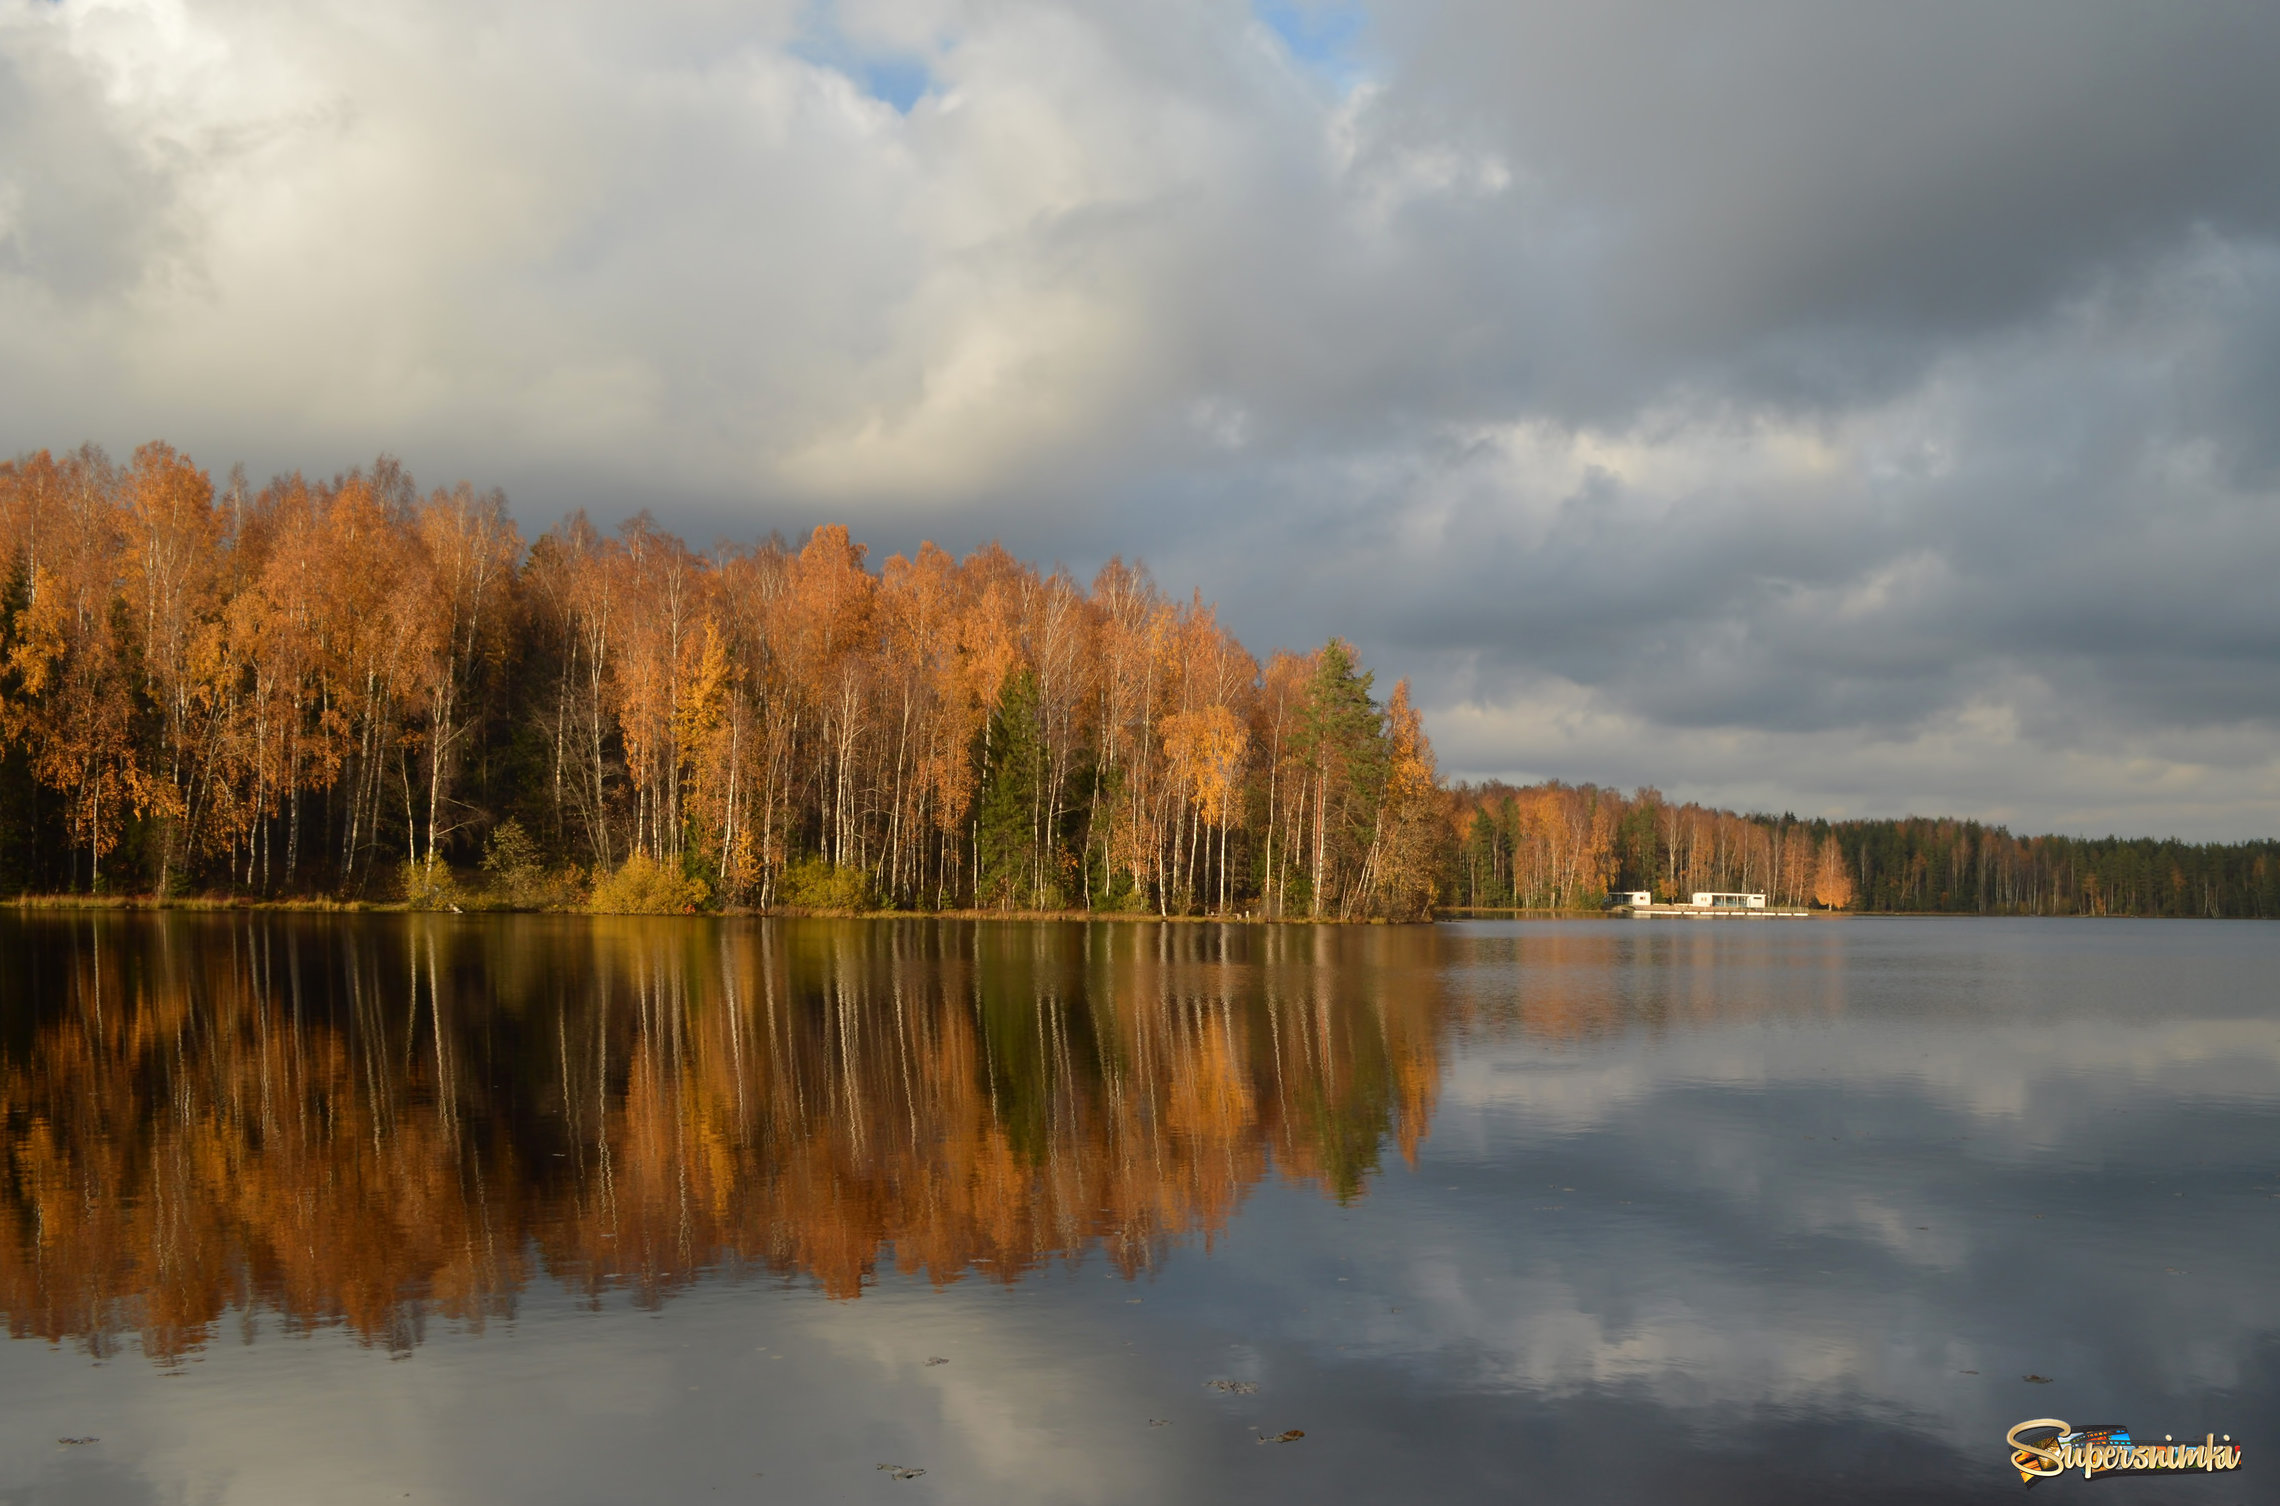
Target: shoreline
213,904
318,905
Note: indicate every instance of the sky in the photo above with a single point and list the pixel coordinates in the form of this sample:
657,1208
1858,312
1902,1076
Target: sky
1827,407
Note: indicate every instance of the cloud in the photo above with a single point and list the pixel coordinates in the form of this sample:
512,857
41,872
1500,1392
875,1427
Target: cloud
1851,407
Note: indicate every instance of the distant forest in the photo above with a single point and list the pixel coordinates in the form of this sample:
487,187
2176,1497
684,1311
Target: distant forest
355,690
1559,846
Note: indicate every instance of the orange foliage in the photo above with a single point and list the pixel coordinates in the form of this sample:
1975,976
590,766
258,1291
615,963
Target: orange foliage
326,685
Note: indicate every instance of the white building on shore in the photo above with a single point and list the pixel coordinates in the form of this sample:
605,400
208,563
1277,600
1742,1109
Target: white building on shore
1705,899
1703,904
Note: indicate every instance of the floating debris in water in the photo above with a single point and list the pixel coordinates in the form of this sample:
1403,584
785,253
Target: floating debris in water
1290,1437
902,1471
1159,1422
1235,1387
2036,1380
936,1359
76,1442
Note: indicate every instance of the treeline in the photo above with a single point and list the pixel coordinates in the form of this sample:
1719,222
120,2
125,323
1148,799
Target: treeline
351,688
1560,846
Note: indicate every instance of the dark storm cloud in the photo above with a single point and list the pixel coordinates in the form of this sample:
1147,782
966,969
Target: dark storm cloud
1836,407
1818,191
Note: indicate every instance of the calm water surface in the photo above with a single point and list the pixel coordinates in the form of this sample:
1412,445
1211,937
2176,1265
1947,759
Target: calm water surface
544,1210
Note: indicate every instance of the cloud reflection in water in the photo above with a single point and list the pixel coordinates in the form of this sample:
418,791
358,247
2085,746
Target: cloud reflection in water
1705,1213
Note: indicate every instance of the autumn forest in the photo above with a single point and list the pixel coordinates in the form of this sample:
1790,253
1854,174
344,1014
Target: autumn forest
356,690
351,690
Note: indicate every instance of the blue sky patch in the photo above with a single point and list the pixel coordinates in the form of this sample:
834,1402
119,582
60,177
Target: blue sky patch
901,82
900,79
1324,37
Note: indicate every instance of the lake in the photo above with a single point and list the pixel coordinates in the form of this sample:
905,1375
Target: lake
543,1209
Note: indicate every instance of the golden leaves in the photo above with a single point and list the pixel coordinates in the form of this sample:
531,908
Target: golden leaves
215,664
1206,748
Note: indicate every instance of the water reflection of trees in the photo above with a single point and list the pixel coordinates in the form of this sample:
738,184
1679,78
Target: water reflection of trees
373,1124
